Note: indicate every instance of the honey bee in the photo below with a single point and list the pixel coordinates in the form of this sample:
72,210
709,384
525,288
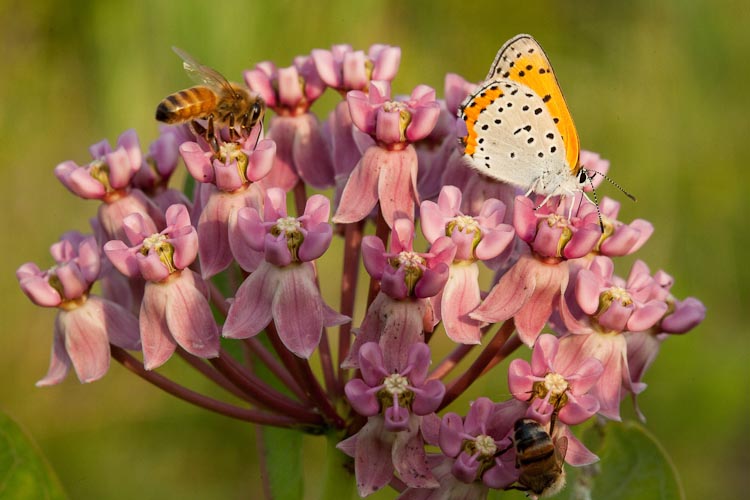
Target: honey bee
539,459
215,99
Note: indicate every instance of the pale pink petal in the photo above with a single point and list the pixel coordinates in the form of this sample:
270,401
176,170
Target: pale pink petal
577,454
189,317
86,343
508,296
59,363
396,191
520,380
311,153
360,194
119,323
460,297
250,311
647,316
409,458
316,242
157,343
297,310
362,398
373,462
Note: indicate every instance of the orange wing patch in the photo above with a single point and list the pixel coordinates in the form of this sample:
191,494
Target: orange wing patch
523,60
480,102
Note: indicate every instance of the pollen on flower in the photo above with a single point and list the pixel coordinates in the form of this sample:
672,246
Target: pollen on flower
287,225
160,244
396,384
99,170
619,294
555,384
230,151
409,259
485,445
464,223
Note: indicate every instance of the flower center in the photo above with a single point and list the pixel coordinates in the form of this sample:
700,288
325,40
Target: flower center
556,386
396,384
485,445
159,244
404,116
621,295
230,151
413,264
99,170
555,383
290,228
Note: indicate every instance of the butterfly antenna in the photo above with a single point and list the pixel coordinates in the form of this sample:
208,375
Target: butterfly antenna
596,198
611,182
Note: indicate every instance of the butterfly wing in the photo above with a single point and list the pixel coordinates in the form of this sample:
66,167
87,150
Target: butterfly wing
510,137
522,60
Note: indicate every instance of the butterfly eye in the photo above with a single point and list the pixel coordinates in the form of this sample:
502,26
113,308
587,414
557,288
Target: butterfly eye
582,176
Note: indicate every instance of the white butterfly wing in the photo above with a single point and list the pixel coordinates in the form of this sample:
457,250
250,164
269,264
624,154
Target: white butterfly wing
512,137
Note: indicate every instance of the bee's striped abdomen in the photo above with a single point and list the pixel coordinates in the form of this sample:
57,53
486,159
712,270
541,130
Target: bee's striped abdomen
193,103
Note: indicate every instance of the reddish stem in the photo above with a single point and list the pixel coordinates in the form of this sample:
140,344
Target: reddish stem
349,278
511,345
451,361
268,359
256,388
459,385
167,385
210,373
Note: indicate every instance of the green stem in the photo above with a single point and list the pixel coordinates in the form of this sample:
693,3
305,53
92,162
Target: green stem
338,479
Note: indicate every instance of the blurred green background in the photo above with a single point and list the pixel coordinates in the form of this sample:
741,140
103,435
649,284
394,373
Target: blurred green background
659,88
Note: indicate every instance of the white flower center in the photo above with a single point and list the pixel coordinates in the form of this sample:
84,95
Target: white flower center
396,384
154,241
621,295
410,259
288,225
394,106
467,224
485,445
555,384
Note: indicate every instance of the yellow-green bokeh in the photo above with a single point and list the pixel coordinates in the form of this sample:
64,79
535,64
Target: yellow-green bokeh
659,88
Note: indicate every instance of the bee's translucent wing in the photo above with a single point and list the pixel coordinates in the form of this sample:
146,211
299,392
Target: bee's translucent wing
202,74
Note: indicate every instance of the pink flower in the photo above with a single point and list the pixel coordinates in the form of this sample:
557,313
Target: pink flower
475,443
476,238
528,292
234,171
387,172
283,288
175,308
402,272
604,302
552,391
395,393
85,324
301,149
344,69
108,178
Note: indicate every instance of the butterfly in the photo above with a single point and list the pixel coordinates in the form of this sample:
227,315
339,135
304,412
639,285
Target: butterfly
518,127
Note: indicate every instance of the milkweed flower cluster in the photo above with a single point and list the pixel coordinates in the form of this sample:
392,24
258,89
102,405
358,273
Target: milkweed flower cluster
180,272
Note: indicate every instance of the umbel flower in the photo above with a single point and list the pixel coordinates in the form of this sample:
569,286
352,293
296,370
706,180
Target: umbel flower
251,253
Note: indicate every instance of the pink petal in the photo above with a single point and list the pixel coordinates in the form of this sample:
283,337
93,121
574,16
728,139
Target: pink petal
387,63
545,350
250,311
362,398
409,458
520,381
509,295
86,342
433,221
364,115
647,316
373,462
396,184
197,162
297,310
494,243
213,232
59,363
120,324
451,434
373,257
189,317
311,153
40,291
361,191
588,289
158,344
688,314
316,242
460,297
326,67
577,454
371,364
423,121
579,409
550,283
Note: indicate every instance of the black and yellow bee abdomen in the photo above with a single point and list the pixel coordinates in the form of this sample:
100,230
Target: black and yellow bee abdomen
189,104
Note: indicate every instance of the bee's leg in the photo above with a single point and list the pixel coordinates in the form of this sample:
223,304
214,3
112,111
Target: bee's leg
211,133
197,129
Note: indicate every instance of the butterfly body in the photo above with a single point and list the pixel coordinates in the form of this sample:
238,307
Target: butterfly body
518,127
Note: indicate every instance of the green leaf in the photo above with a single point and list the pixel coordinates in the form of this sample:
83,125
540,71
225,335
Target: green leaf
633,466
281,453
24,472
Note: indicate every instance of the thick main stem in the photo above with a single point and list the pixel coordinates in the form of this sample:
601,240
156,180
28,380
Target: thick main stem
175,389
